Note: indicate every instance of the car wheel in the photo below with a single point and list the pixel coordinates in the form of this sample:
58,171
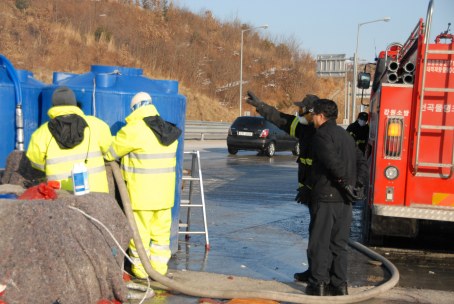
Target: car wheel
232,151
296,151
271,149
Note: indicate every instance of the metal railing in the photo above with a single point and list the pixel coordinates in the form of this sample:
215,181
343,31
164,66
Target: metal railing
195,129
198,129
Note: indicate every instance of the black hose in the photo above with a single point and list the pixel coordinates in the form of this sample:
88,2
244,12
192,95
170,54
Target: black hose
232,294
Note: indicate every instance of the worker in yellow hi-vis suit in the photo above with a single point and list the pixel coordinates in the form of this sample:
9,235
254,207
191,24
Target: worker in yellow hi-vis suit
68,138
148,146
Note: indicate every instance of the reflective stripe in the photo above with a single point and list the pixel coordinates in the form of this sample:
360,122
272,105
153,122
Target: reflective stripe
147,171
96,170
309,187
293,126
136,260
60,176
301,185
152,156
135,253
75,157
306,161
112,151
360,142
160,247
42,167
67,175
156,258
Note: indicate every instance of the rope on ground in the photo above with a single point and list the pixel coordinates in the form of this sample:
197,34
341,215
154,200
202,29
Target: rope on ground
131,295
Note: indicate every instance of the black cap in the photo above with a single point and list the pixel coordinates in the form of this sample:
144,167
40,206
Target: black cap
363,116
63,96
308,103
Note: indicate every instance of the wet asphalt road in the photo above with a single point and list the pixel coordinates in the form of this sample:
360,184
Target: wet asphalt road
257,230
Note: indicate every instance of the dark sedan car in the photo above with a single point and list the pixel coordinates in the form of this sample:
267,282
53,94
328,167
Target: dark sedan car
254,133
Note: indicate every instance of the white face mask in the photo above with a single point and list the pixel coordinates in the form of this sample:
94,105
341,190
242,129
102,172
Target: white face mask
302,120
361,122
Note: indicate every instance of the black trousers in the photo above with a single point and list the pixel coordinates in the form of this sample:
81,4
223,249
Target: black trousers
330,256
328,240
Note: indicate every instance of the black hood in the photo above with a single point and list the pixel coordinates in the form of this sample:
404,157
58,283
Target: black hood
164,131
68,130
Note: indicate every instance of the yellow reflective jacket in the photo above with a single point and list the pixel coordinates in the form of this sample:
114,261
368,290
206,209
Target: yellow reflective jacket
147,166
45,154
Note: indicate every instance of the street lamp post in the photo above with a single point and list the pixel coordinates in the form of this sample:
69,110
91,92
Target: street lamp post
241,64
355,68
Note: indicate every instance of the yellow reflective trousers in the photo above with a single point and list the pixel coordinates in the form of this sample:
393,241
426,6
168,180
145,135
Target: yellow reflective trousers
45,154
154,230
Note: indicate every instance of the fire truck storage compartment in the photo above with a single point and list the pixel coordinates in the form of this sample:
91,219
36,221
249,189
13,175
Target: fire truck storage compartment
390,125
391,149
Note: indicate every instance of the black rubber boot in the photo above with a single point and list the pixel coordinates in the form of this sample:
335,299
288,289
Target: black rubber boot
302,276
340,290
316,289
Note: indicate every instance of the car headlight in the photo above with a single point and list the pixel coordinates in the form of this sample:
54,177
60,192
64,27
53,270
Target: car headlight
391,172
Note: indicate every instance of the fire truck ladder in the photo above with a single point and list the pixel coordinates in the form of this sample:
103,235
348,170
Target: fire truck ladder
423,90
188,203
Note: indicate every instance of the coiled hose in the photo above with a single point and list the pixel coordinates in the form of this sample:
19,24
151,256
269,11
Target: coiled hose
231,294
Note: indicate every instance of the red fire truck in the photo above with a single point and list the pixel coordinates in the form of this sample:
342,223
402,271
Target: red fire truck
412,136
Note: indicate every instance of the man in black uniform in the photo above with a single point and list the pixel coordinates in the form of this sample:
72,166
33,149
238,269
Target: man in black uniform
301,127
338,166
360,131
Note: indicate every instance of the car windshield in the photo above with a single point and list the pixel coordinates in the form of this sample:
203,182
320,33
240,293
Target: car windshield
249,122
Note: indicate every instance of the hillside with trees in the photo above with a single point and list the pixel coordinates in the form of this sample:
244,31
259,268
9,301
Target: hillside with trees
167,42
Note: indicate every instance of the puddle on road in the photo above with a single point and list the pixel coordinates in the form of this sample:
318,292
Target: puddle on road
248,186
420,269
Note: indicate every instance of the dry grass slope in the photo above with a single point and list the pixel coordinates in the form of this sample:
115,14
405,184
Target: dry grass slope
167,42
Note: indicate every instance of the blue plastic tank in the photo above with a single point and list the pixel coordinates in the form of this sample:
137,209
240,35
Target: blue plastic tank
113,88
31,99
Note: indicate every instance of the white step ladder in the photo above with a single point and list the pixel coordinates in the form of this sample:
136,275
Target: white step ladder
188,203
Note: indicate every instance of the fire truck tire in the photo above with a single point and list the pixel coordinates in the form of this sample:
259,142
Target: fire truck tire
366,223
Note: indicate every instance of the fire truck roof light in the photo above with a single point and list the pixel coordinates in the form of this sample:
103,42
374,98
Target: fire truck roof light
394,129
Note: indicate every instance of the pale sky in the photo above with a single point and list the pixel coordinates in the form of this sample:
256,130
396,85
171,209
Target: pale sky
331,26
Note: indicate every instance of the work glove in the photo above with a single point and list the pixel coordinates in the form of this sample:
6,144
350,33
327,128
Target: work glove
352,192
304,196
253,100
360,184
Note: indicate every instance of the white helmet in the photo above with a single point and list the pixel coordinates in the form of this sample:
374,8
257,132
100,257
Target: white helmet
139,100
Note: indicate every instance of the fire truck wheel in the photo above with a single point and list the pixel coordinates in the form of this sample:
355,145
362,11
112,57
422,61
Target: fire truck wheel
375,239
368,236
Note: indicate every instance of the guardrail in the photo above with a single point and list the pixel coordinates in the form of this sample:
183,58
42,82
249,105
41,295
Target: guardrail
215,130
207,123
